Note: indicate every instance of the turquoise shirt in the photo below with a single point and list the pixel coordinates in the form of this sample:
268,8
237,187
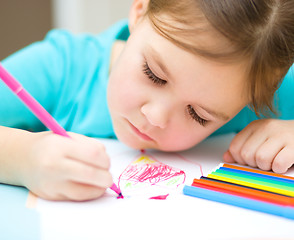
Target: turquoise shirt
68,74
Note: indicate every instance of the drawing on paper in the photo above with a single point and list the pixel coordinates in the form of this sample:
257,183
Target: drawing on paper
146,175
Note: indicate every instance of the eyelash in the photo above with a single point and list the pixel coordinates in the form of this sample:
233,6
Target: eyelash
147,71
195,116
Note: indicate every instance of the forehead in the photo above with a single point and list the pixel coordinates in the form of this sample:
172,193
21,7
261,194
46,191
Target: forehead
195,34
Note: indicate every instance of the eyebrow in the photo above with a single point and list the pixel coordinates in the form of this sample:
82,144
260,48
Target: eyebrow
156,56
216,114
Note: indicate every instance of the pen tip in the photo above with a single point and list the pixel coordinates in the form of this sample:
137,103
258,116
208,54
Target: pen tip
120,196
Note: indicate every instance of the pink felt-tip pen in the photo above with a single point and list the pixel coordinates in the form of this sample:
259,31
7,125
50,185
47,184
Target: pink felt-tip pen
117,190
37,109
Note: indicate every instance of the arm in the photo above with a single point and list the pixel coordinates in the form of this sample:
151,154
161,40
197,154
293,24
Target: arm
54,167
51,166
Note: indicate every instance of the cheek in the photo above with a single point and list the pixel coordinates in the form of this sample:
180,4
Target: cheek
181,137
125,90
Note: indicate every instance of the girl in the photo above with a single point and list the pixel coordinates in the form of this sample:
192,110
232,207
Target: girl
187,69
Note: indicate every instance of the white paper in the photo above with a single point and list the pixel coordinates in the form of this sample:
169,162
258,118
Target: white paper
178,217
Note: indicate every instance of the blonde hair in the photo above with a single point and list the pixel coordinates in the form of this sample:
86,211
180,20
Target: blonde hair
261,31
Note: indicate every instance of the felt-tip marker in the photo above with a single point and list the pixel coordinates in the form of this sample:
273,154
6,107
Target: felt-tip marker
282,211
38,110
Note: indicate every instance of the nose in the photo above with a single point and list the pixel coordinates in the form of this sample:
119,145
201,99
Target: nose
157,114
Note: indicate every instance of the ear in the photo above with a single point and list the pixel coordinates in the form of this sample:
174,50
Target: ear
137,12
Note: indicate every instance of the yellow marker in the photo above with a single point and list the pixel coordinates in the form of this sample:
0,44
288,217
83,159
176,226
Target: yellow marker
253,185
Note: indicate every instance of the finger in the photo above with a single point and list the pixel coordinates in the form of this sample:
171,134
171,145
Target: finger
79,192
89,151
250,147
266,153
237,144
283,160
228,157
85,174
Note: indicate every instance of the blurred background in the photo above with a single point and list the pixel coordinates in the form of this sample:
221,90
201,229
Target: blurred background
25,21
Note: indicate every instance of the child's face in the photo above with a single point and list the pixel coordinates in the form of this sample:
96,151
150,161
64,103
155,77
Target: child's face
161,96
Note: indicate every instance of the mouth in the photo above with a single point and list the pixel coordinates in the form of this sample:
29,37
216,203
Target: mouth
140,134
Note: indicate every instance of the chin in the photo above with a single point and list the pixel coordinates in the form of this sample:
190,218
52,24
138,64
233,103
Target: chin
173,147
131,142
137,144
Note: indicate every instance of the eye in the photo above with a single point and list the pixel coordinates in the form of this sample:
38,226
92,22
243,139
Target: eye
195,116
147,71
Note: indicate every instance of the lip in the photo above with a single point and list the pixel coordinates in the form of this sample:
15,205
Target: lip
140,134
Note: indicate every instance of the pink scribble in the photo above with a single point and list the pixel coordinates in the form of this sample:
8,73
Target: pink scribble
154,173
160,197
150,173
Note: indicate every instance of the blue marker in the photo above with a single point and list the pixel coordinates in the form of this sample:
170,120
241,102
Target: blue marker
282,211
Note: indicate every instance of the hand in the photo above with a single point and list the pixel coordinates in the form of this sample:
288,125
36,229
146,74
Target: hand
60,168
267,144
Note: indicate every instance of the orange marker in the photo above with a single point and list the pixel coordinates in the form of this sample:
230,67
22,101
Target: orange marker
244,191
